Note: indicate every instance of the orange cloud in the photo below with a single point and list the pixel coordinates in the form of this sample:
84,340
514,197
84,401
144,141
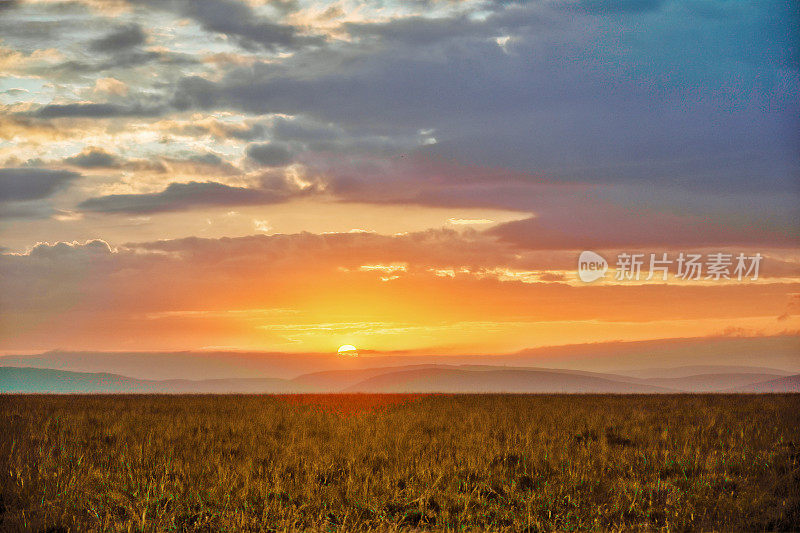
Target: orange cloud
382,292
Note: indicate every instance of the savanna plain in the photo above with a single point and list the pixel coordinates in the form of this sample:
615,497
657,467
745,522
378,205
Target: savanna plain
400,463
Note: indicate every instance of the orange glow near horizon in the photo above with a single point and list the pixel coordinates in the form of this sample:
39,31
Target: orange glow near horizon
319,305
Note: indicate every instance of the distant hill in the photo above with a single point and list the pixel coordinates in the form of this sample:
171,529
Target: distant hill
696,370
337,380
643,358
415,378
711,382
784,384
515,381
661,358
42,380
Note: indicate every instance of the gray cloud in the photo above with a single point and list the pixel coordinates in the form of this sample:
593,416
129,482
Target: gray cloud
617,95
21,184
104,110
207,158
122,60
604,7
270,154
180,196
122,38
673,105
92,158
606,227
31,210
304,130
239,21
419,30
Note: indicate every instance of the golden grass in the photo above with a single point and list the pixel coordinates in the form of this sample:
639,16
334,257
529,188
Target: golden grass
360,462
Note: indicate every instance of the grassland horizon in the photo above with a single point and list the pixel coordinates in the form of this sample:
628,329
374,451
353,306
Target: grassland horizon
382,462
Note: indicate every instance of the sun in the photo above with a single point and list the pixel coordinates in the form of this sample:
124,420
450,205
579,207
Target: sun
348,350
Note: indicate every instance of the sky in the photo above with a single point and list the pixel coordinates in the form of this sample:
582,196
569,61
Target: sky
296,175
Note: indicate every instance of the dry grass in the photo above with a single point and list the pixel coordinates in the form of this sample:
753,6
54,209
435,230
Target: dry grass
342,463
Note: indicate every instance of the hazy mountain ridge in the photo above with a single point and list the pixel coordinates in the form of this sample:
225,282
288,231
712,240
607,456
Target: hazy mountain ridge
711,382
782,384
666,365
661,358
425,379
453,380
43,380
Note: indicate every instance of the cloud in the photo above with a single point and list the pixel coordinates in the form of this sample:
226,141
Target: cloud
121,38
270,154
598,226
262,225
93,158
63,250
132,58
608,7
570,95
610,107
305,130
420,30
75,291
248,132
469,221
195,164
96,110
239,21
21,184
111,86
180,196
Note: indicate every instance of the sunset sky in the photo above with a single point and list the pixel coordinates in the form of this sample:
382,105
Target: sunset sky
296,175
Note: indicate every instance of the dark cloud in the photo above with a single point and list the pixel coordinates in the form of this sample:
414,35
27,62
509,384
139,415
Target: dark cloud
202,163
207,158
270,154
605,7
597,228
93,158
197,92
571,92
20,184
179,196
304,130
418,30
123,60
8,4
238,20
675,102
122,38
96,111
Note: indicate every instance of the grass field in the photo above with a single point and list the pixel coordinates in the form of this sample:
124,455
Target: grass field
360,462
